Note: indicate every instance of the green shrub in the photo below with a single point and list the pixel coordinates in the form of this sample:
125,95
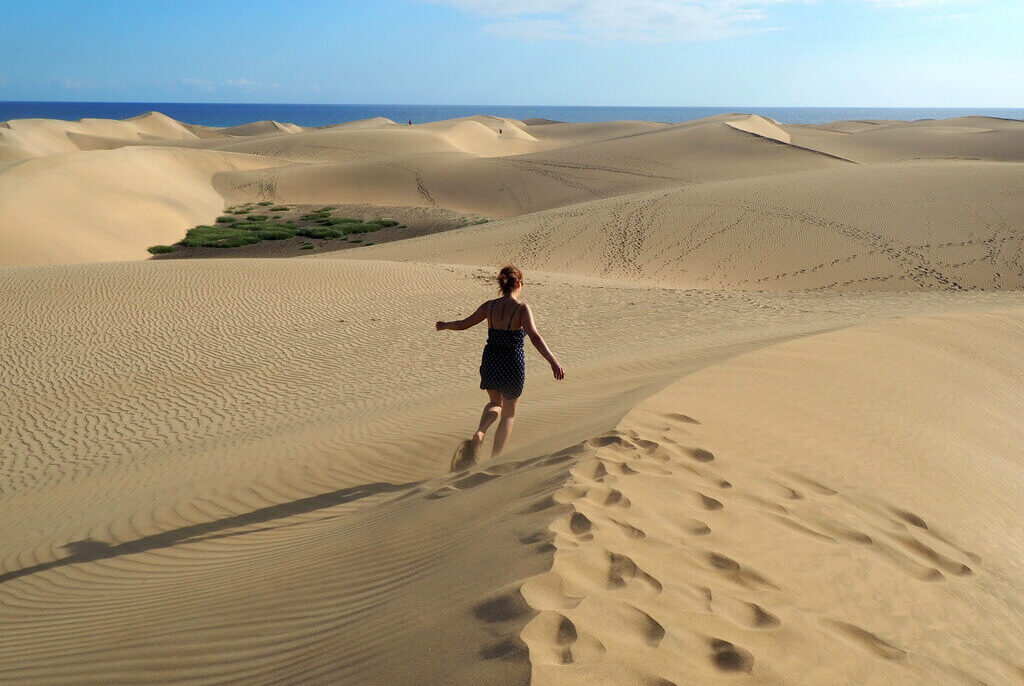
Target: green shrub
280,208
219,237
265,203
365,227
386,223
307,246
275,234
319,232
226,220
160,249
258,217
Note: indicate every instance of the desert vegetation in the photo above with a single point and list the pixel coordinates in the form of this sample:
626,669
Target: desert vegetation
244,225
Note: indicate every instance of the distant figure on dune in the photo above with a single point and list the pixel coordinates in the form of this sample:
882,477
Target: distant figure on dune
503,368
499,132
410,122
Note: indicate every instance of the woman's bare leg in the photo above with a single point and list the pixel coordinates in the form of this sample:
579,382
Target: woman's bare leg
508,417
492,410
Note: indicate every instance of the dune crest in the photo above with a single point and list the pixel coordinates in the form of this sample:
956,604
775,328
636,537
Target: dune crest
761,126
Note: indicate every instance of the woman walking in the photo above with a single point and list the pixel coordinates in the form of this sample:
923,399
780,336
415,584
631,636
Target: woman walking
503,368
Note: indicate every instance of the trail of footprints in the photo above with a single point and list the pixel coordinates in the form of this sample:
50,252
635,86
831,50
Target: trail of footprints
600,582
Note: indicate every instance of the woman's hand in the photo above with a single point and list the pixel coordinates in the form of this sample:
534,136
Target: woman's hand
441,326
557,370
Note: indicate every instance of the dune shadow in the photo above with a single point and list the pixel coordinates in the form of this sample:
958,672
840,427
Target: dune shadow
90,550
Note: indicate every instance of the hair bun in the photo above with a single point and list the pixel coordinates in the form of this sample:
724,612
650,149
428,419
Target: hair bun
509,278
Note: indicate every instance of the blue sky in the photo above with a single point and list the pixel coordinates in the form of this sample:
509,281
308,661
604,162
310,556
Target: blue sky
914,53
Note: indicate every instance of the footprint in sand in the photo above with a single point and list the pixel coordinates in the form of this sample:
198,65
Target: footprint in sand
735,572
629,530
700,454
589,469
812,485
681,418
867,640
939,560
741,612
579,524
622,568
607,496
554,639
709,503
608,440
728,657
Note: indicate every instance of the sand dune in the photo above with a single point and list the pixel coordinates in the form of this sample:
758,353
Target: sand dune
963,138
349,144
598,170
495,179
41,137
109,204
255,438
787,449
916,226
258,128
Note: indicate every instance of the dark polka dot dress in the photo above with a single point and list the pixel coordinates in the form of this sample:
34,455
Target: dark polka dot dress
503,367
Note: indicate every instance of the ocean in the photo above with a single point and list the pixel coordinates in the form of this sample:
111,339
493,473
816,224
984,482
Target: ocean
232,114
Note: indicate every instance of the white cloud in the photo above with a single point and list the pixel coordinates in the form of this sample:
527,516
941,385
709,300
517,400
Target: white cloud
207,85
197,84
915,3
630,20
639,20
70,84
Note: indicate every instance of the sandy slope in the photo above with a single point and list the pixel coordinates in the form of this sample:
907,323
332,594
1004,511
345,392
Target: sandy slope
907,226
109,204
237,471
817,512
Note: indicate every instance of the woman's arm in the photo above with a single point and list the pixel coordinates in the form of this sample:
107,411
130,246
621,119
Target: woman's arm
463,324
539,344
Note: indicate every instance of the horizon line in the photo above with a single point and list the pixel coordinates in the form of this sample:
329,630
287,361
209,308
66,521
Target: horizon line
408,104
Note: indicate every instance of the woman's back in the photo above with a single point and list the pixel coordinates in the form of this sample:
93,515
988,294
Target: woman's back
504,314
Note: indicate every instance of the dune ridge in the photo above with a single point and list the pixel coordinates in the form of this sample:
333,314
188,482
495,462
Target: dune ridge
594,172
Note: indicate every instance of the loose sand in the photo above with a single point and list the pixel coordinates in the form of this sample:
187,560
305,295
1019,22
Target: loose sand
788,449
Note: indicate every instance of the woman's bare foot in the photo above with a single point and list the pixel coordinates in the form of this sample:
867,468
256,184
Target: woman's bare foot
464,456
477,440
